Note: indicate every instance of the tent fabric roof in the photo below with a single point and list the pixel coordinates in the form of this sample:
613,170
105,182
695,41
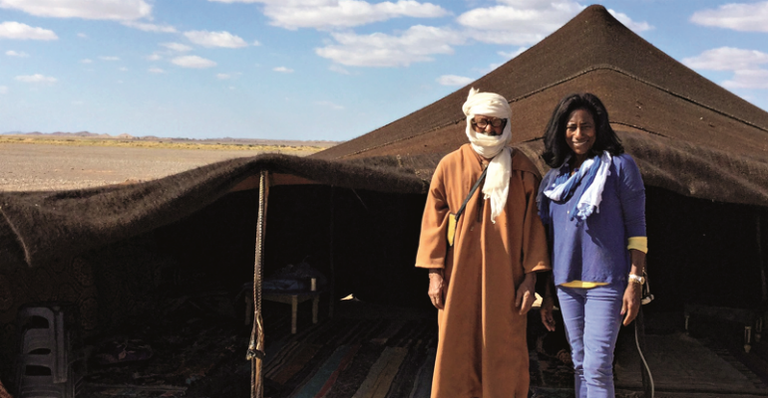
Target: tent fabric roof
688,134
38,226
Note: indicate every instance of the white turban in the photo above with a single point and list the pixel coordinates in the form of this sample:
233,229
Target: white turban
496,185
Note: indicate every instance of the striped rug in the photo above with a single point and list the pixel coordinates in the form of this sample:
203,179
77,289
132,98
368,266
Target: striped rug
364,351
367,351
349,357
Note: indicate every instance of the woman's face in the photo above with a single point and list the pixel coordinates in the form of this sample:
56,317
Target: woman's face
580,133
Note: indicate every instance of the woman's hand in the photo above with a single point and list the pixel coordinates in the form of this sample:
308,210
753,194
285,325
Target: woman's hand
436,288
547,312
631,303
632,300
526,293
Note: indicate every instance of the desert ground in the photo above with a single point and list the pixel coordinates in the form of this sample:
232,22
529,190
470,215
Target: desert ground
51,165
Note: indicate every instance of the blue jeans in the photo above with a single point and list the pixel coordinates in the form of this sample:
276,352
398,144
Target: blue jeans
592,320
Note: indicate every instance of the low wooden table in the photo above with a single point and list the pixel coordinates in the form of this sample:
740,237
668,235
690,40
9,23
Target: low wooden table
294,298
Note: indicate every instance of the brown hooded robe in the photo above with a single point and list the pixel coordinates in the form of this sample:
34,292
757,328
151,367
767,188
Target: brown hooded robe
482,350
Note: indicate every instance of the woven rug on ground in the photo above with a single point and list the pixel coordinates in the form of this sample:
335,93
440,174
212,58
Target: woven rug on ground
354,357
369,352
382,356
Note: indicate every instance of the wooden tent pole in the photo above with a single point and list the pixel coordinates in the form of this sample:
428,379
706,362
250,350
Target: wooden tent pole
332,286
255,352
761,262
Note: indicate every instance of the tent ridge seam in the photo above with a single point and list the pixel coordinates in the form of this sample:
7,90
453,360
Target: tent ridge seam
569,78
641,80
691,100
638,128
524,96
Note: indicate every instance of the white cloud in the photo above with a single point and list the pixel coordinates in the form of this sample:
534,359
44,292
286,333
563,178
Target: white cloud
329,104
526,22
416,44
745,64
177,47
517,23
256,43
155,70
727,58
215,39
18,54
154,57
3,89
227,76
86,9
636,27
122,69
344,13
745,17
149,27
453,80
86,61
193,61
282,69
293,3
20,31
82,35
109,58
36,78
748,78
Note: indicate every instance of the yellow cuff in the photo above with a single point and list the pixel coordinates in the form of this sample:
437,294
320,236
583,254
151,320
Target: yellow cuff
638,243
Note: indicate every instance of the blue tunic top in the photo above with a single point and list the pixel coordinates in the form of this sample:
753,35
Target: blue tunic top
595,250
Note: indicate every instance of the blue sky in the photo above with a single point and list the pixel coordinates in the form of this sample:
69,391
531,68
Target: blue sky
312,69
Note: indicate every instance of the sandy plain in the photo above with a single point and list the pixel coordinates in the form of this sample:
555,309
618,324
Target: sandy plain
40,166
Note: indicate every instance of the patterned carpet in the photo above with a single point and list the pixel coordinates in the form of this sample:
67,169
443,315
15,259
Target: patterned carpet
365,351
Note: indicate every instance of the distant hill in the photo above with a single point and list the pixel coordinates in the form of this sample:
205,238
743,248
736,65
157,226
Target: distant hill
225,140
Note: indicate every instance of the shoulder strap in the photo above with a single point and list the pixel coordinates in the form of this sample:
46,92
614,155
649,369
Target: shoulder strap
471,192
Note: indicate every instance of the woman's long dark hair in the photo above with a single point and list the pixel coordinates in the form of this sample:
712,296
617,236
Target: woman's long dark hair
555,147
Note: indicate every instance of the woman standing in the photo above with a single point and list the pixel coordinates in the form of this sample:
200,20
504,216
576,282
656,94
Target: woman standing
592,203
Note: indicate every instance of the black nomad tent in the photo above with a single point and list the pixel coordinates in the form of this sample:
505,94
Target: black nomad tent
355,208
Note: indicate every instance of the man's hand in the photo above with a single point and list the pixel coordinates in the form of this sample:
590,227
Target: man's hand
436,288
526,294
547,312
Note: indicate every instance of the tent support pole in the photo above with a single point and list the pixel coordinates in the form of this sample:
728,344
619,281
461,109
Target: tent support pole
761,261
332,286
255,352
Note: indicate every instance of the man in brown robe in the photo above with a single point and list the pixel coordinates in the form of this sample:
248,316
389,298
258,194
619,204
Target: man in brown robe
483,285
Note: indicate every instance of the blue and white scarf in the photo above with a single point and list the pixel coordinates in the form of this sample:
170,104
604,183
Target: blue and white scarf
560,186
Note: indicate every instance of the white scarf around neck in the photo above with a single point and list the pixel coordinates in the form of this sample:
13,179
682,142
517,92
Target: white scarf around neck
496,187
